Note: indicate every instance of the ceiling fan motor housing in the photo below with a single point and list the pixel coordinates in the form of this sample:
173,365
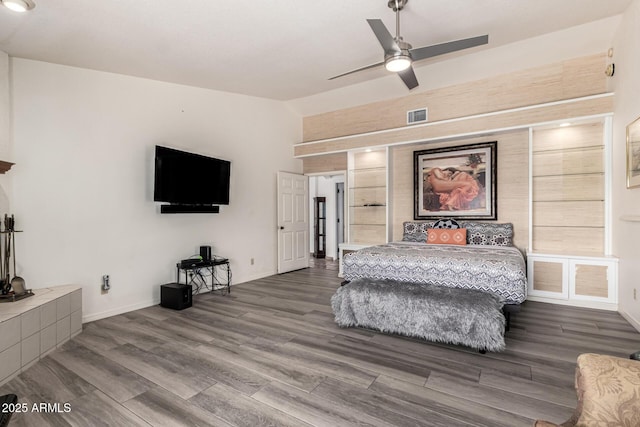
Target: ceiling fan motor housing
397,5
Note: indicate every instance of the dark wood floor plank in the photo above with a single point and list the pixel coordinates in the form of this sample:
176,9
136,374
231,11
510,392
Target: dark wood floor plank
313,409
98,410
499,399
422,398
383,406
529,388
296,376
313,361
361,359
240,410
114,380
170,373
159,407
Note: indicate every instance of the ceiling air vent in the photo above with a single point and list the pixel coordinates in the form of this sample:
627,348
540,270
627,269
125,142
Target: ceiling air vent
417,116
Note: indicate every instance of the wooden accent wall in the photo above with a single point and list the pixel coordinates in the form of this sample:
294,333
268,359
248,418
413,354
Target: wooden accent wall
573,78
472,125
513,181
326,163
568,189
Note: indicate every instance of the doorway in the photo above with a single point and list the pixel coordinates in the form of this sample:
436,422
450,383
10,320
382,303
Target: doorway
326,185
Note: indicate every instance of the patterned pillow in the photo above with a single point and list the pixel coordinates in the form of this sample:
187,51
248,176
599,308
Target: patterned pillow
482,233
446,223
414,231
446,236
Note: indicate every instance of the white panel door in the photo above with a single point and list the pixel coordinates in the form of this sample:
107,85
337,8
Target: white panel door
293,222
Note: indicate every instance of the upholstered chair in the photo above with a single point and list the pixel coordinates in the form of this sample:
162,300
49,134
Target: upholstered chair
608,390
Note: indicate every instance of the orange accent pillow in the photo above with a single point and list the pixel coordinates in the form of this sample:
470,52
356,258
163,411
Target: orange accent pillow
446,236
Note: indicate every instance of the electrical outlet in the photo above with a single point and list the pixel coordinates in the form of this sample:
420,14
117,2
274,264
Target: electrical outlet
106,285
252,261
634,293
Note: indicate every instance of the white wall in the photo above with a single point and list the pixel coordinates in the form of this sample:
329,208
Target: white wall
82,186
5,130
626,235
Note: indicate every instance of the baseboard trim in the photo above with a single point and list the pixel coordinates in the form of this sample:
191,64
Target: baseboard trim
148,303
584,304
629,318
119,310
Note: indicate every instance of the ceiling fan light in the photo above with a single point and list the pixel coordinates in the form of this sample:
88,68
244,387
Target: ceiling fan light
18,5
397,63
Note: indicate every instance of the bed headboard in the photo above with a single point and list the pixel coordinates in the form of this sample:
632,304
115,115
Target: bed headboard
478,233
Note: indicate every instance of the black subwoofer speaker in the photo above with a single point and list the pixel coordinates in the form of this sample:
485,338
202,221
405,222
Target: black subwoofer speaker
205,253
175,295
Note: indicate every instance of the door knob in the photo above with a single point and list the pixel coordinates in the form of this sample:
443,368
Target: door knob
281,227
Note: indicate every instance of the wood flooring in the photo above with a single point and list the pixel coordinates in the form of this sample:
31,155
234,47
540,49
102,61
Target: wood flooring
270,354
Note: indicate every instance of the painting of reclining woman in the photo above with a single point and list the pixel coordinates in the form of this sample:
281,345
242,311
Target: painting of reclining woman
456,181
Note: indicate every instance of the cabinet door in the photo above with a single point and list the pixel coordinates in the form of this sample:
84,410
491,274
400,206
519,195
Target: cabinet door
548,277
593,280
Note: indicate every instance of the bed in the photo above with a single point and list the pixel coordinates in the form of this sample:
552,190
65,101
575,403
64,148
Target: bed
450,282
487,261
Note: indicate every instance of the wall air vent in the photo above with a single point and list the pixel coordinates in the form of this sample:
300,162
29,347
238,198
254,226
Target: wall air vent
417,116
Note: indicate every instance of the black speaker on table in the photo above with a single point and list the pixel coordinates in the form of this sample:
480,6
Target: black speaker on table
205,253
176,296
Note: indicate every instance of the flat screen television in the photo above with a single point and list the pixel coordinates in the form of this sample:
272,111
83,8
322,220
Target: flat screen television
183,178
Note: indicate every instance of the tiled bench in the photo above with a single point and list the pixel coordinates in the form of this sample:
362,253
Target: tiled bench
33,327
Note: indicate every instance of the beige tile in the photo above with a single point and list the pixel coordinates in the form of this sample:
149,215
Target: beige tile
47,339
63,330
30,349
47,314
76,300
30,322
76,322
9,362
10,333
63,306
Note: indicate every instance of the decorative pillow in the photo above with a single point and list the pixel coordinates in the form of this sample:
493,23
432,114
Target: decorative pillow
446,223
444,236
414,231
482,233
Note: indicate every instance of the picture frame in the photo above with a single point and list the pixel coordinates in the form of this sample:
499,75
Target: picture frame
633,154
459,181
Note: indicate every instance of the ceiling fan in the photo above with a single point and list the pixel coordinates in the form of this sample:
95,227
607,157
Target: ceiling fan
399,55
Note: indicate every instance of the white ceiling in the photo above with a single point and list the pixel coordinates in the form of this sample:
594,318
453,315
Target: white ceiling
275,49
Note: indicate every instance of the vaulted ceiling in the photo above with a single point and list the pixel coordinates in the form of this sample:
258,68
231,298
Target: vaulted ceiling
275,49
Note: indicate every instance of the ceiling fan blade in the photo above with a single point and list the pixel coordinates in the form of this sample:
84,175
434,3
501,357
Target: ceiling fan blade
409,78
384,36
355,71
440,49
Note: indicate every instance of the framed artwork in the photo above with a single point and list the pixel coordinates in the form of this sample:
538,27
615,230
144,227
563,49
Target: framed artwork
456,182
633,154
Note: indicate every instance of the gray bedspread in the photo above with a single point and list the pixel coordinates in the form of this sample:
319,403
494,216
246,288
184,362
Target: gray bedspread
500,270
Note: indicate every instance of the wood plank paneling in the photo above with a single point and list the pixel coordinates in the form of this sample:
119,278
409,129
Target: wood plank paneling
472,125
513,181
548,276
327,163
569,214
588,160
570,187
574,136
592,280
572,78
568,240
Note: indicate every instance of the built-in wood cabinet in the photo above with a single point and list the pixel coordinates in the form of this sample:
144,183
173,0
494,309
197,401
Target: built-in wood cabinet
568,255
573,278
